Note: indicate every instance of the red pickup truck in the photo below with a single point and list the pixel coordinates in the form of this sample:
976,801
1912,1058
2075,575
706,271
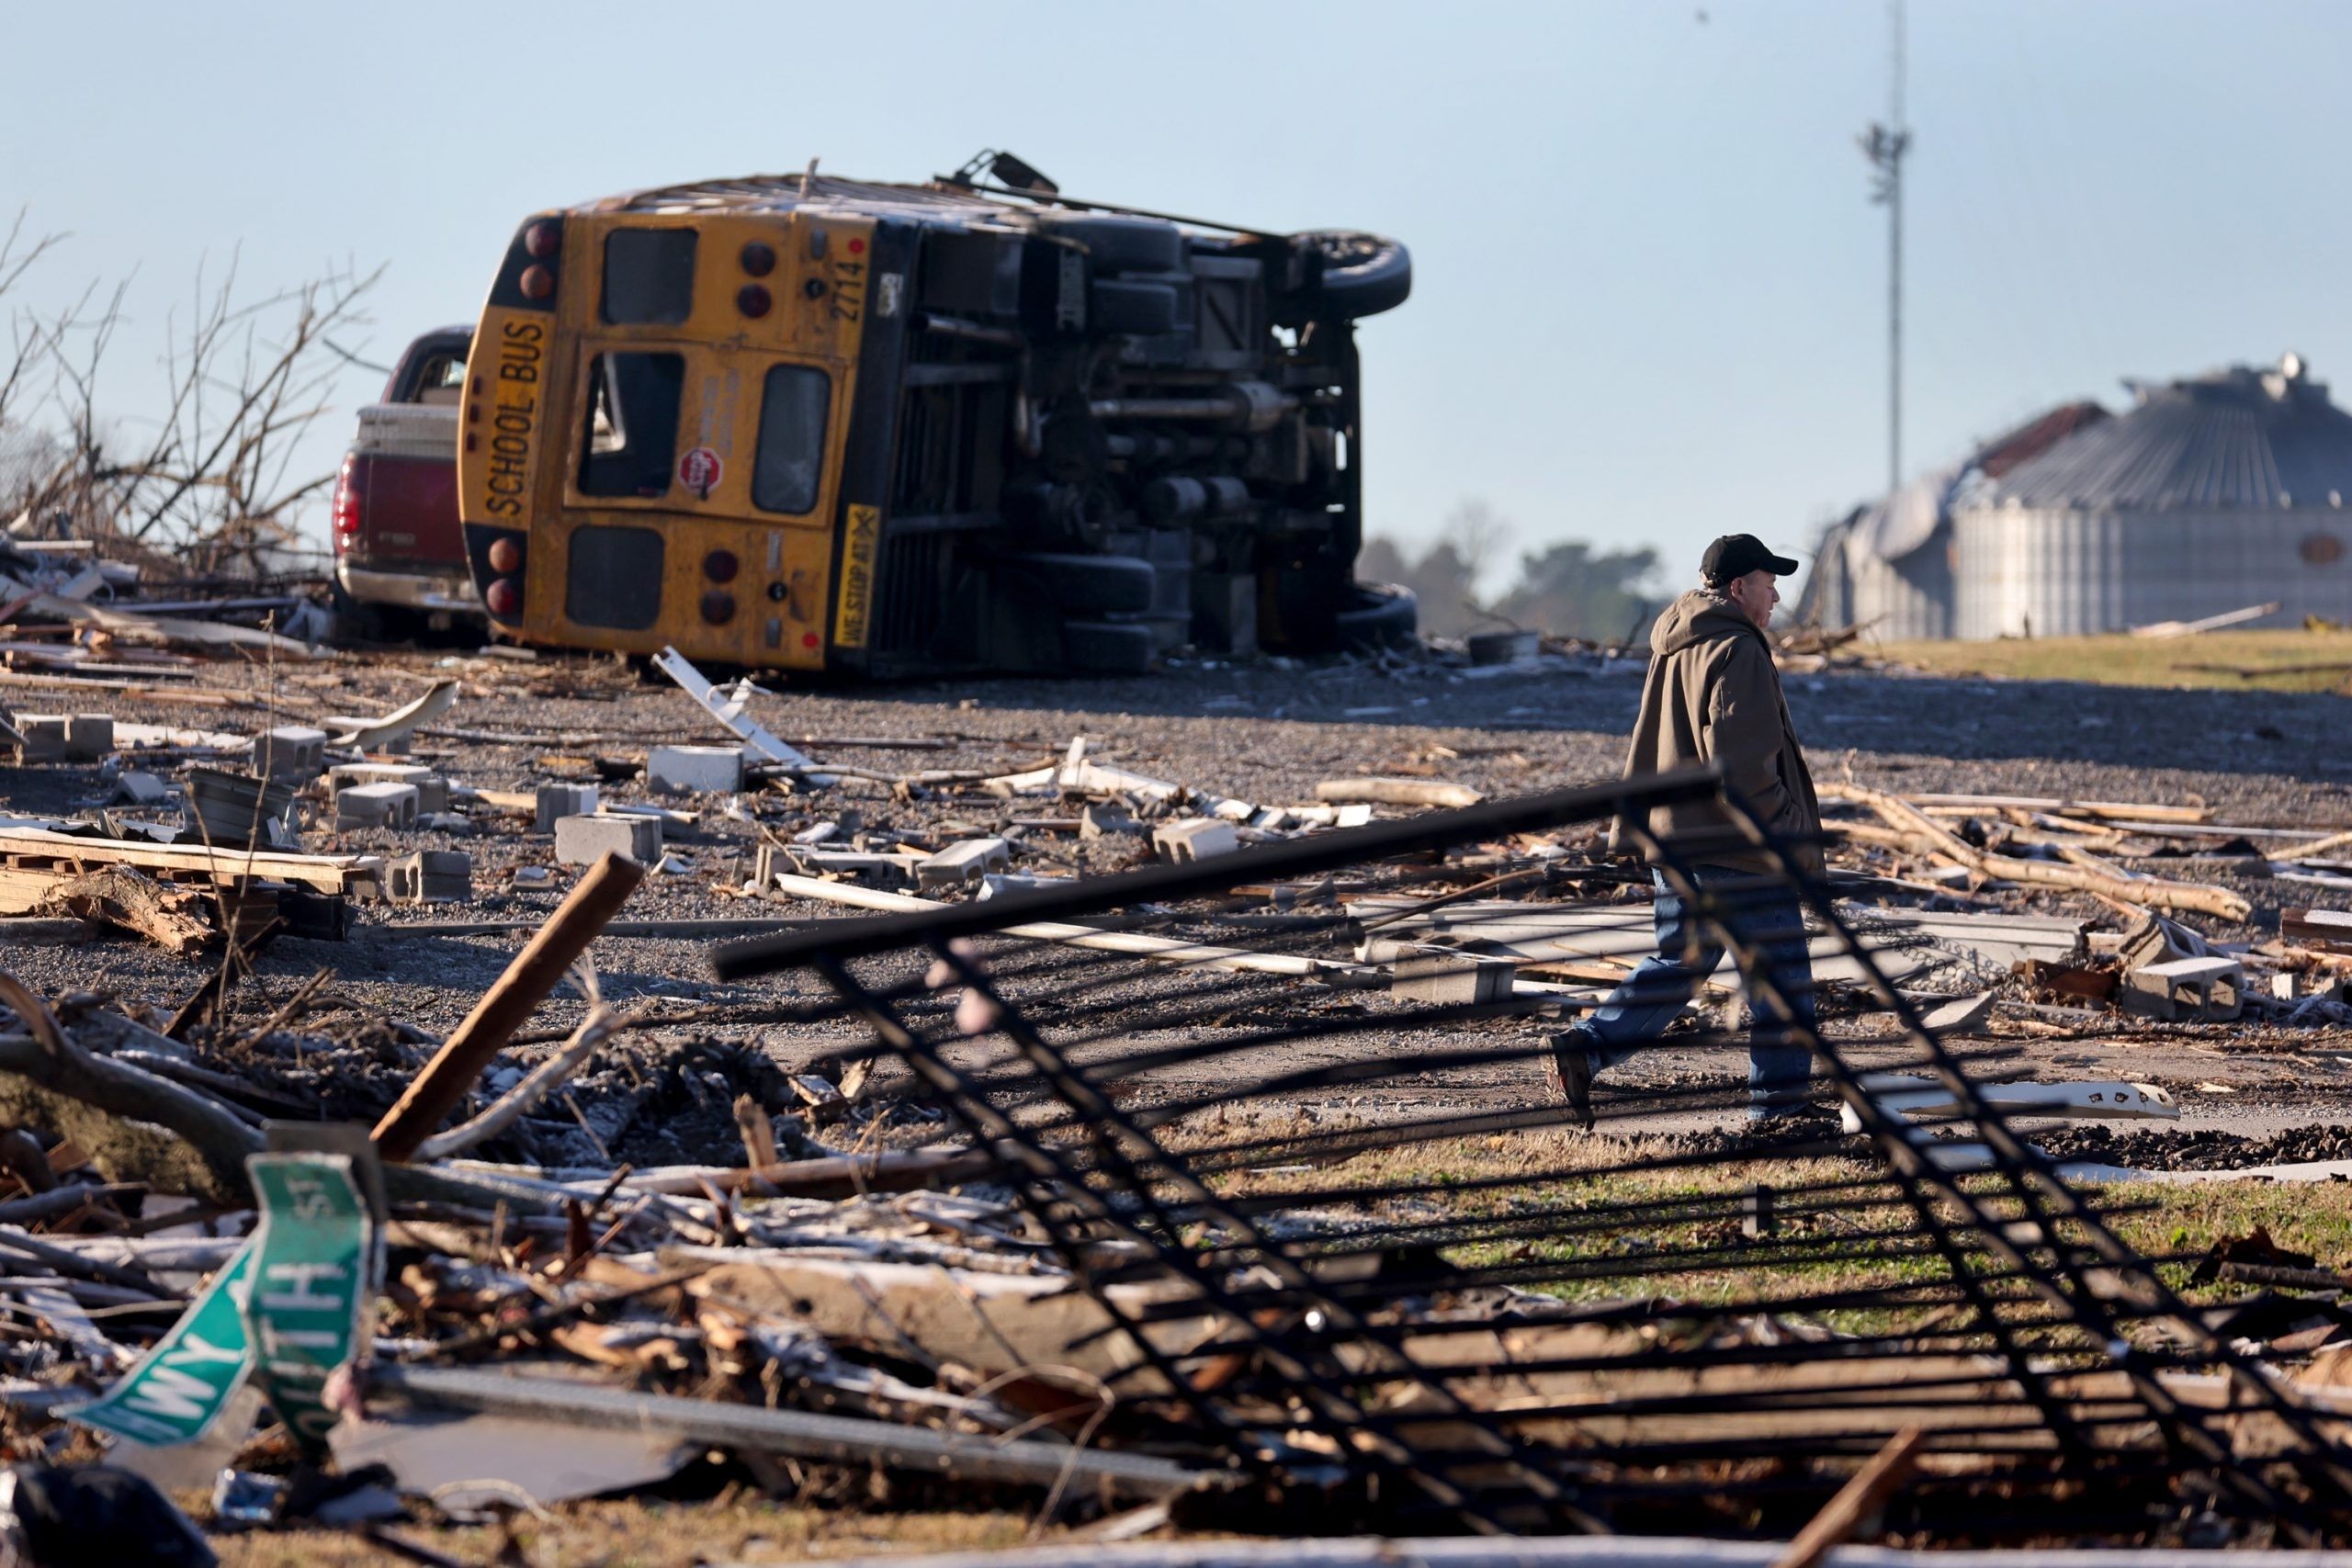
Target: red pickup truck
399,560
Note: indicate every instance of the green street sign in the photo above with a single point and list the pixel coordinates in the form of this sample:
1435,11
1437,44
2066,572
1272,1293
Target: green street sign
177,1392
291,1307
313,1282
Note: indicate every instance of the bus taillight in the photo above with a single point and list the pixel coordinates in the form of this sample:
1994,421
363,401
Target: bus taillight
503,599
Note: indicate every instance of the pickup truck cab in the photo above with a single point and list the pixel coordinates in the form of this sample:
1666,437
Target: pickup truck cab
399,558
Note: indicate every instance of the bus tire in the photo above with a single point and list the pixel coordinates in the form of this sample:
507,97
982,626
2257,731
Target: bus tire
1092,584
1355,274
1108,647
1117,243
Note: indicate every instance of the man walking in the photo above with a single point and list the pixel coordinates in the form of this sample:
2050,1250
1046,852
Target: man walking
1713,695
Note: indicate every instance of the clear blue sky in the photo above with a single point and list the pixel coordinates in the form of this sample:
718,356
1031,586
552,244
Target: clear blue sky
1649,292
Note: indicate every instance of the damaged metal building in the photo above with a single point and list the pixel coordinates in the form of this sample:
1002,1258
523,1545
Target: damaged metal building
2212,493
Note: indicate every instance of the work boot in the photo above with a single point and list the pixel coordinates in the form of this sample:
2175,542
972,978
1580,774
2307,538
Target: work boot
1567,1072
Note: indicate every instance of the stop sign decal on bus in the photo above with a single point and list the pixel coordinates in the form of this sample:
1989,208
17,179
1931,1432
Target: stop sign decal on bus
700,469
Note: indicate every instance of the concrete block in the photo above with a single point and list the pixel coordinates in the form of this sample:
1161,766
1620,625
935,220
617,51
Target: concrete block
1194,838
89,736
376,806
1451,977
2195,990
432,789
960,864
584,840
430,877
860,863
45,735
290,751
695,769
556,801
138,787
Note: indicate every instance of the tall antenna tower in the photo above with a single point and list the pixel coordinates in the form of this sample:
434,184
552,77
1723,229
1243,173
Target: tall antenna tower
1884,144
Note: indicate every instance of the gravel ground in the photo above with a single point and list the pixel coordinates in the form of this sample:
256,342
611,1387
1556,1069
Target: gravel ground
1263,731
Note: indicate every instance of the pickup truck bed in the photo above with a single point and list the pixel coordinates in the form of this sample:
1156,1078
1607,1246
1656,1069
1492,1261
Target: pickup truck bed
400,557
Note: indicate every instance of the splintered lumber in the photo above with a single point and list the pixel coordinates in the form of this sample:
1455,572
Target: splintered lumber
118,895
1860,1498
43,849
2148,892
2317,847
2120,809
1396,792
536,971
1137,945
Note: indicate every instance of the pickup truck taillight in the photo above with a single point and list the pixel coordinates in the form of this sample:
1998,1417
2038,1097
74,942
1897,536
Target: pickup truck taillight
347,504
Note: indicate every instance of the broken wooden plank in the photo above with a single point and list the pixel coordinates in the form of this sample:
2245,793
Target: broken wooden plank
327,874
457,1066
1397,792
1160,948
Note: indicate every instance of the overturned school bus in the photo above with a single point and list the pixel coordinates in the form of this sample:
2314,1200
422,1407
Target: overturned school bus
799,422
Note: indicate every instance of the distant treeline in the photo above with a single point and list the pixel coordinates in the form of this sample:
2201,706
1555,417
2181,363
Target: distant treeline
1565,589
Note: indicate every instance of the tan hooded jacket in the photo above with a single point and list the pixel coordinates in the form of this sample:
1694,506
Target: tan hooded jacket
1713,695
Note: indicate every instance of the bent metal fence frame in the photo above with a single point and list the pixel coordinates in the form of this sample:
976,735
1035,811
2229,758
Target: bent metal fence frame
1362,1258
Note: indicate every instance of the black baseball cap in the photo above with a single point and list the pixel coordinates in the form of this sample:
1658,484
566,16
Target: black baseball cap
1737,555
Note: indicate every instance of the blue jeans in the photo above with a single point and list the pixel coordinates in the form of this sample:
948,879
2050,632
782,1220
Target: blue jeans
1652,996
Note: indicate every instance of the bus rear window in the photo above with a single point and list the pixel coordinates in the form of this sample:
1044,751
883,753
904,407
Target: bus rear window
649,276
632,436
789,467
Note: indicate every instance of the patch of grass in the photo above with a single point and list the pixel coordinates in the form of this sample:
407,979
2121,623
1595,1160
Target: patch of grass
2287,660
1569,1177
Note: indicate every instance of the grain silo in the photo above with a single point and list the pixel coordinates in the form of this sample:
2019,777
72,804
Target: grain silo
2212,494
1888,567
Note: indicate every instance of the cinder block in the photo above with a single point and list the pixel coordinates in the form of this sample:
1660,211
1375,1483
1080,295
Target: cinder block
432,789
1196,838
1451,977
556,801
290,751
961,863
139,787
376,806
695,769
2209,990
584,840
45,735
430,877
89,736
